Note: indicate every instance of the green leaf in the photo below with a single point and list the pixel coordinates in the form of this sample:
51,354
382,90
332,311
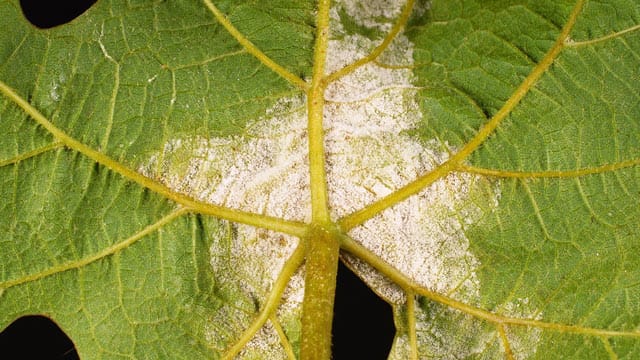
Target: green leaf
178,177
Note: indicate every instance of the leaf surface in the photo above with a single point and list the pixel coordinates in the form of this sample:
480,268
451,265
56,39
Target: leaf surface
481,167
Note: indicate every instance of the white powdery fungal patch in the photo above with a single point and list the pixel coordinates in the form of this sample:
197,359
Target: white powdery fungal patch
373,13
445,333
369,153
522,340
264,345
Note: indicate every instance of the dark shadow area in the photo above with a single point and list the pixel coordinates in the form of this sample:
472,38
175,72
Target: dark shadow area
362,323
36,338
47,14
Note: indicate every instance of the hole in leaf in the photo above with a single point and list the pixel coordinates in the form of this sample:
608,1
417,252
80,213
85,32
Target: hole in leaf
362,323
36,337
47,14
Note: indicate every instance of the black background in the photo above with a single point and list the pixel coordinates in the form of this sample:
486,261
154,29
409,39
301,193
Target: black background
362,329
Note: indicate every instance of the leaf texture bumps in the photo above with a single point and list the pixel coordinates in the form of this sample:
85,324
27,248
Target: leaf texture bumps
534,100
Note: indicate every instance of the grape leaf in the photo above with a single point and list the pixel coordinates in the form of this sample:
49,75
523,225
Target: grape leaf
172,172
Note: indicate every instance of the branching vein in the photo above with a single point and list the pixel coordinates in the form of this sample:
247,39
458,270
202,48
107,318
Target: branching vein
405,282
29,154
572,43
253,50
75,264
411,322
482,135
288,227
272,302
286,344
505,342
395,30
549,173
315,110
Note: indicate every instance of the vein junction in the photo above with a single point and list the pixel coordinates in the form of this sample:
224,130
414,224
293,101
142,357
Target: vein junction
354,128
360,128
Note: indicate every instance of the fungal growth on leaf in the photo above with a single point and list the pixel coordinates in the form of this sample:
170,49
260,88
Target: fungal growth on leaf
370,153
184,176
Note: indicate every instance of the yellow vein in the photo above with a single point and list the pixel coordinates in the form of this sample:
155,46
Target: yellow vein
411,324
549,173
263,221
395,30
522,90
100,255
114,92
315,109
117,269
253,50
358,217
608,348
284,341
456,160
16,50
572,43
29,154
273,300
112,108
587,203
508,354
405,282
536,210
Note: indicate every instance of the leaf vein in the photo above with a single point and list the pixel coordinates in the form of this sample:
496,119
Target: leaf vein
505,342
572,43
213,59
398,26
32,153
8,59
403,281
607,346
411,324
281,225
454,162
111,109
272,301
284,341
253,50
560,174
77,264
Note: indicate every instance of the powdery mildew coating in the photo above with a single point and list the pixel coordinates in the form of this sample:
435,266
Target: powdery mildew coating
369,155
445,333
369,13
